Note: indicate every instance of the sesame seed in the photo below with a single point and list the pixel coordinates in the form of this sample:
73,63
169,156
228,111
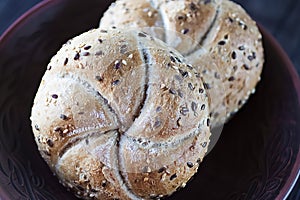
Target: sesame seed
36,127
194,106
49,67
115,82
103,184
240,102
158,109
87,47
190,164
99,78
189,66
250,58
246,67
180,17
172,91
217,75
172,59
230,19
124,62
178,60
191,86
77,55
222,42
206,86
150,14
184,74
140,34
146,169
130,56
117,64
208,122
66,61
201,91
203,145
173,177
184,111
193,6
103,31
54,96
63,117
56,129
203,107
161,170
100,40
178,122
231,78
241,48
185,31
50,143
233,55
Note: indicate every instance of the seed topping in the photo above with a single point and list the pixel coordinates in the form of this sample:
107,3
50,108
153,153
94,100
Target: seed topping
76,57
173,177
190,164
54,96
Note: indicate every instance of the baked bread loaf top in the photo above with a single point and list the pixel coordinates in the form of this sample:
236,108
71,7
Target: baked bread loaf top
216,36
119,115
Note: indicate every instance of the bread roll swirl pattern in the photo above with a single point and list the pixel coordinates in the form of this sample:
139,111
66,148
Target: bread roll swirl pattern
119,115
216,36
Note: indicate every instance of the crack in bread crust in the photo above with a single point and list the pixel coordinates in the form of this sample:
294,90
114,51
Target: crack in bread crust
145,57
74,141
92,90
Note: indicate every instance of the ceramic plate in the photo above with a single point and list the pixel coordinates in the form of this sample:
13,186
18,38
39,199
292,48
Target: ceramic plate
257,156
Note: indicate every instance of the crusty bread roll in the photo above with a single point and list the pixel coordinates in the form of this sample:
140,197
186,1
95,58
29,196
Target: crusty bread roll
118,115
216,36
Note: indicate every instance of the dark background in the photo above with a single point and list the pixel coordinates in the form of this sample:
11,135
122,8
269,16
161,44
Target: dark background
280,17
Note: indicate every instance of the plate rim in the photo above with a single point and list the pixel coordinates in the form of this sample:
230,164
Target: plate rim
295,173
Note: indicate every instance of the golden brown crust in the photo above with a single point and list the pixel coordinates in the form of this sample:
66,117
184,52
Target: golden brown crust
108,91
218,37
235,60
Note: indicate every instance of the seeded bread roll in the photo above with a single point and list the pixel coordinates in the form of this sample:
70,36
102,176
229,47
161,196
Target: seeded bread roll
118,115
216,36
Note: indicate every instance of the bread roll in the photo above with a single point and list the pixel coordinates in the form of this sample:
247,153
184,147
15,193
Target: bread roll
216,36
118,115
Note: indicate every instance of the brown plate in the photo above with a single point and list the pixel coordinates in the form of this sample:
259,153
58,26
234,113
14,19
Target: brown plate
257,156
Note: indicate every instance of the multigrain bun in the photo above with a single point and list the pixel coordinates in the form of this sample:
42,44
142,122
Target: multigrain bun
118,115
216,36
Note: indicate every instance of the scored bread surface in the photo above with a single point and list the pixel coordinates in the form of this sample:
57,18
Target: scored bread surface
216,36
119,115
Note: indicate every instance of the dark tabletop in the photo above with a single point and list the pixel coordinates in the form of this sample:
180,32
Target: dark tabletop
280,17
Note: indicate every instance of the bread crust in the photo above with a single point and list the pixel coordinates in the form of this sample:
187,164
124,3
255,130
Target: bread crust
119,115
216,36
